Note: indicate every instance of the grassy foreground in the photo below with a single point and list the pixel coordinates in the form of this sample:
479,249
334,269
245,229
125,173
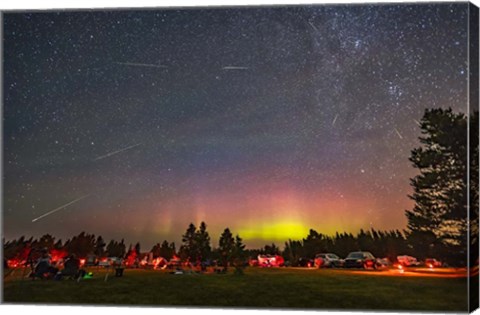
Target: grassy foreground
257,288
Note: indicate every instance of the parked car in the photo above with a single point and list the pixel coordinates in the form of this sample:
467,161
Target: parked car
328,260
91,260
360,260
432,263
270,260
407,261
110,261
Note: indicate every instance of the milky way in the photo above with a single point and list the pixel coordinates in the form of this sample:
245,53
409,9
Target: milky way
269,121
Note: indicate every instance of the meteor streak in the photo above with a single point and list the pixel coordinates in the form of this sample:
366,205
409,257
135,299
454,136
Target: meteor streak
334,119
115,152
148,65
234,68
398,133
313,26
60,208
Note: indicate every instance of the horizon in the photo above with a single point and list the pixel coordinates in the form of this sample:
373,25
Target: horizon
213,239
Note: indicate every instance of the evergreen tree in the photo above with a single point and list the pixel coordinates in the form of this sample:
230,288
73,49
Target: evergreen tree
167,250
188,250
294,250
437,223
81,245
345,243
226,246
100,247
156,251
58,244
111,249
115,249
238,255
46,241
271,249
121,248
202,242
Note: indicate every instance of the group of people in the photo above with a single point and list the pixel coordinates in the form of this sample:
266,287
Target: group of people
44,269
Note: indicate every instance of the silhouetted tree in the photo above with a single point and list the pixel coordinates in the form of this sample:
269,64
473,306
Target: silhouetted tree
188,250
345,243
115,249
81,245
202,243
316,243
226,246
46,241
156,250
294,250
271,249
437,223
238,255
167,250
99,247
58,245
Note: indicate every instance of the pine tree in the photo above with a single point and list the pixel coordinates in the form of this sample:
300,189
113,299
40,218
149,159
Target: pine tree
437,223
121,248
202,242
226,245
294,250
111,248
271,249
188,250
100,247
238,255
46,241
137,248
156,251
167,250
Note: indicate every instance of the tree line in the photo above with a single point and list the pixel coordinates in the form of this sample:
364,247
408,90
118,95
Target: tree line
196,246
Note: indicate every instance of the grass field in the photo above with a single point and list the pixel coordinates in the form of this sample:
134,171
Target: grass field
259,288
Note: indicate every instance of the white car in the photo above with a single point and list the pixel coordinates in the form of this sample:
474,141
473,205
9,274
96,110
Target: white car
328,260
110,261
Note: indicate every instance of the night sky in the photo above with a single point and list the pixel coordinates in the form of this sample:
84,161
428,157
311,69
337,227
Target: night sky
266,120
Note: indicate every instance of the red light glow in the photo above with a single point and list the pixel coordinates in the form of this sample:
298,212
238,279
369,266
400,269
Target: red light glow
14,263
58,254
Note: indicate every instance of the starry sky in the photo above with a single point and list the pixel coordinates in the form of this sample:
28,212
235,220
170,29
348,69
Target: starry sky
267,120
